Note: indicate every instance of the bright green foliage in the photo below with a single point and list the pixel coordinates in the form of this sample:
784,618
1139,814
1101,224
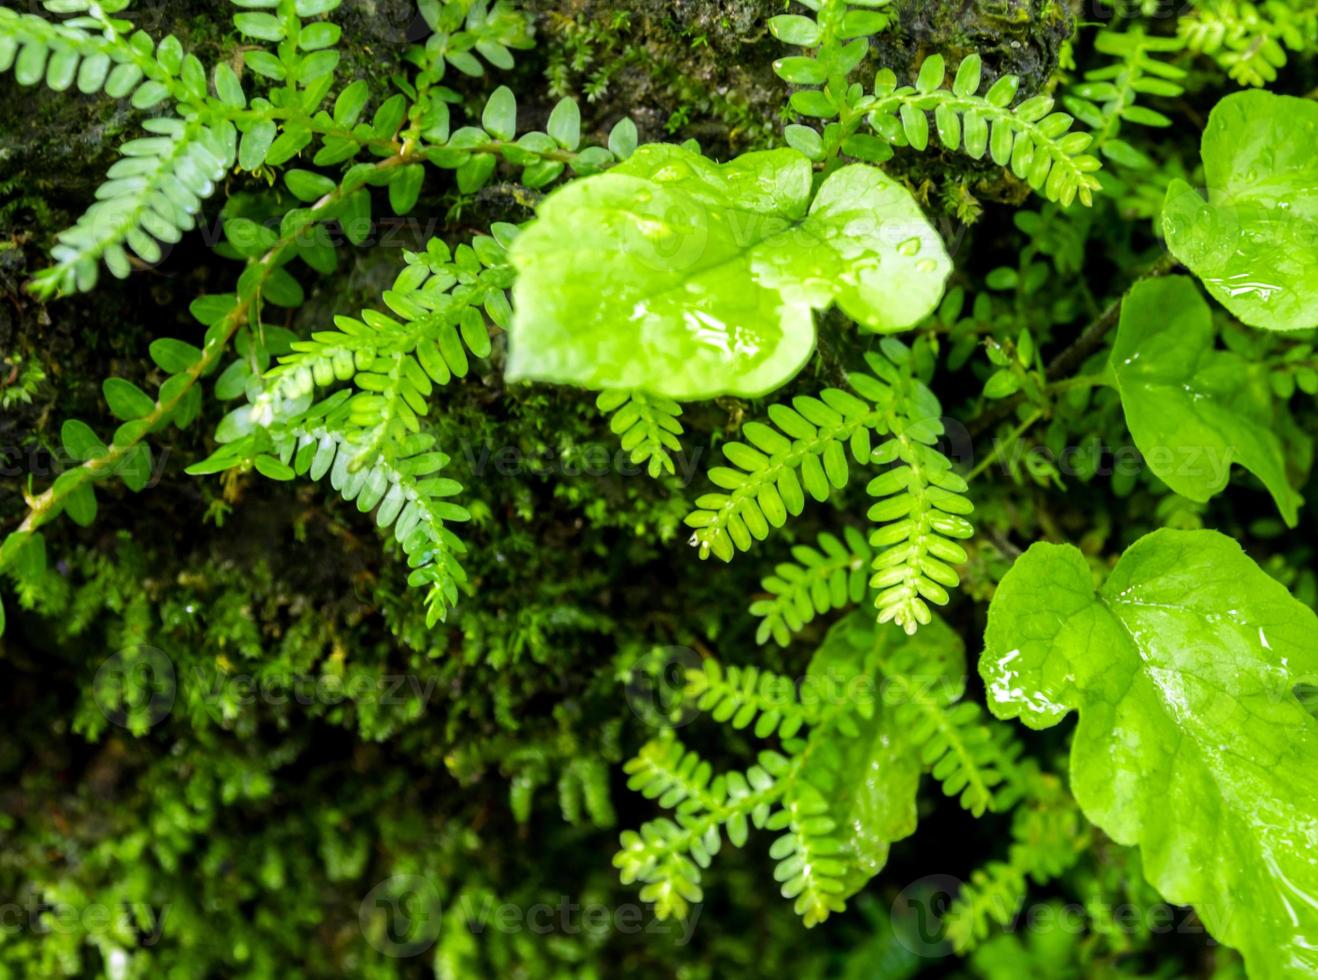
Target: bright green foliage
1029,138
370,442
332,733
689,279
647,426
835,42
666,855
816,581
437,313
1254,240
463,29
1249,40
841,794
1194,410
1048,836
152,196
789,793
1110,96
1190,742
921,507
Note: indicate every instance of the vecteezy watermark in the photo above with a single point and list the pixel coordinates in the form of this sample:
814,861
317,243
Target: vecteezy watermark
594,459
137,688
918,914
658,688
1088,460
920,917
404,916
39,917
222,692
655,686
42,462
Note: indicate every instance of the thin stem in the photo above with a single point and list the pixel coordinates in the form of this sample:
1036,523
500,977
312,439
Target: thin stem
1080,381
1002,444
45,506
1085,343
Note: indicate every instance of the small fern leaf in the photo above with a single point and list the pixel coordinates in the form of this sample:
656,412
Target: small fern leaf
647,426
819,579
151,196
1030,139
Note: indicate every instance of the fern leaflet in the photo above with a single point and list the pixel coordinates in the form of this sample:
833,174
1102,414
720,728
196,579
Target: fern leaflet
1030,138
647,426
1247,39
1108,96
818,580
923,505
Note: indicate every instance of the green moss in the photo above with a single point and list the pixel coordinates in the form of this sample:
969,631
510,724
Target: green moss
264,807
691,69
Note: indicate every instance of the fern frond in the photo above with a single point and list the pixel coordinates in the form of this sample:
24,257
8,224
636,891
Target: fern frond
60,53
398,480
818,580
810,438
666,855
810,864
969,759
647,426
1030,138
1108,96
667,771
1249,40
838,796
406,492
369,440
395,361
925,504
151,195
994,894
741,695
658,856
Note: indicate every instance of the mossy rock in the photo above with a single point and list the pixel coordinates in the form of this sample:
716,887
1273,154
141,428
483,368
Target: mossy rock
1018,37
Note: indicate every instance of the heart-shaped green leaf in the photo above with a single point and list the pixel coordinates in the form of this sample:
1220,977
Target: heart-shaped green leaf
870,780
690,279
1194,410
1254,242
1191,742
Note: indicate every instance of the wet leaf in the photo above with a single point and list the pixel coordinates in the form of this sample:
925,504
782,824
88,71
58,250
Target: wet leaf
690,279
1194,410
1254,242
1191,742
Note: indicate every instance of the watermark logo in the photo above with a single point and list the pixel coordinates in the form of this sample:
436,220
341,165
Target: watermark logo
656,686
919,915
135,688
401,916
